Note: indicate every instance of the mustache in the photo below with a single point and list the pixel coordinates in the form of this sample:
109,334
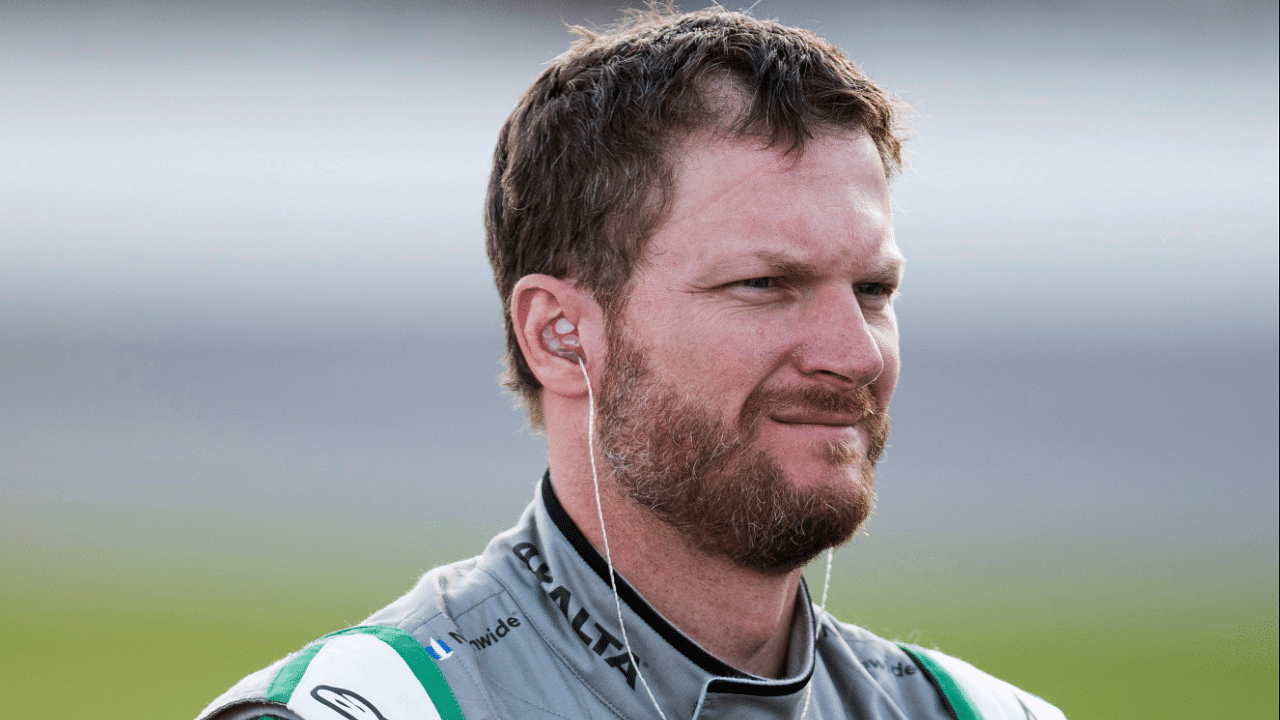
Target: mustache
764,401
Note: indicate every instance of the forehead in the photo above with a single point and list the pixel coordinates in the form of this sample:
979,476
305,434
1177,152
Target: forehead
828,205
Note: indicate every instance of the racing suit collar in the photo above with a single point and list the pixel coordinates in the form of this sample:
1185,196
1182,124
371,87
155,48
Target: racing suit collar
687,681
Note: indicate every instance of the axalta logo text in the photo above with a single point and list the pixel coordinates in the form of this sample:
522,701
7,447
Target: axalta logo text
603,641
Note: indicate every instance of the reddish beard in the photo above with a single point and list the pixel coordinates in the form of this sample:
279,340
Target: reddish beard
710,482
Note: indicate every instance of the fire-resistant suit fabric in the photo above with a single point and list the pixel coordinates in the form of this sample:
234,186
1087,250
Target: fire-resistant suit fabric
529,630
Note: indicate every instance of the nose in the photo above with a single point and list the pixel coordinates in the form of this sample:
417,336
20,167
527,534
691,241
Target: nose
839,345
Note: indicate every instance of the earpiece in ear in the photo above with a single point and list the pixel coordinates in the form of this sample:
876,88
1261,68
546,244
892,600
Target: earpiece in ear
561,338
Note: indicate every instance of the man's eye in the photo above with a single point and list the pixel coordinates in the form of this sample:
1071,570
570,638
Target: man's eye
873,289
763,283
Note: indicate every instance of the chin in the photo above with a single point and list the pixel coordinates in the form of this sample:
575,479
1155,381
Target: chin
823,464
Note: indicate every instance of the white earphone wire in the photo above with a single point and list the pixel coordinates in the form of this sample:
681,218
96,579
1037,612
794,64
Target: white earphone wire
604,536
817,628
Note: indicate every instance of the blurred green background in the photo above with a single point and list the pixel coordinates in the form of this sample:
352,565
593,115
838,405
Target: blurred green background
248,340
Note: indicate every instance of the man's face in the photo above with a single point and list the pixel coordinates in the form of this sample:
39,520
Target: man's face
745,396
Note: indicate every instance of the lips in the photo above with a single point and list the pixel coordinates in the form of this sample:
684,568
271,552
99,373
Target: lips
815,417
839,421
812,407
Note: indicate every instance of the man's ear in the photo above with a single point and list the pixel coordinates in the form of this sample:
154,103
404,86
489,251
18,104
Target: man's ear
538,305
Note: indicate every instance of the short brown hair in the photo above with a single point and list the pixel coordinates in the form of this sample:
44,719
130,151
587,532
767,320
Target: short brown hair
583,174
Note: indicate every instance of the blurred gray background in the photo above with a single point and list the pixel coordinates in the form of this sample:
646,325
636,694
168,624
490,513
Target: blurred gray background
242,279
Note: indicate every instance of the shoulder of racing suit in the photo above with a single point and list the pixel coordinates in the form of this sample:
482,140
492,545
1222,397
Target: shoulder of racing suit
986,697
964,691
400,663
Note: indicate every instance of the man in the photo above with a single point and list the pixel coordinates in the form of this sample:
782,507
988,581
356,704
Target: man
690,227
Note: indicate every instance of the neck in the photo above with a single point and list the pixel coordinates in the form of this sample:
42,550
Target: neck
742,617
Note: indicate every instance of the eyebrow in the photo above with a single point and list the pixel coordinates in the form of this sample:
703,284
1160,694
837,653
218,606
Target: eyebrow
886,267
784,264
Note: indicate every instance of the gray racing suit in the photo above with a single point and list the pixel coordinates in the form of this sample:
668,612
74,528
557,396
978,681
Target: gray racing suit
529,629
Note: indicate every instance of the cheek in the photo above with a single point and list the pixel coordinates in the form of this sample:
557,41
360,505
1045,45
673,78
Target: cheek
727,359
